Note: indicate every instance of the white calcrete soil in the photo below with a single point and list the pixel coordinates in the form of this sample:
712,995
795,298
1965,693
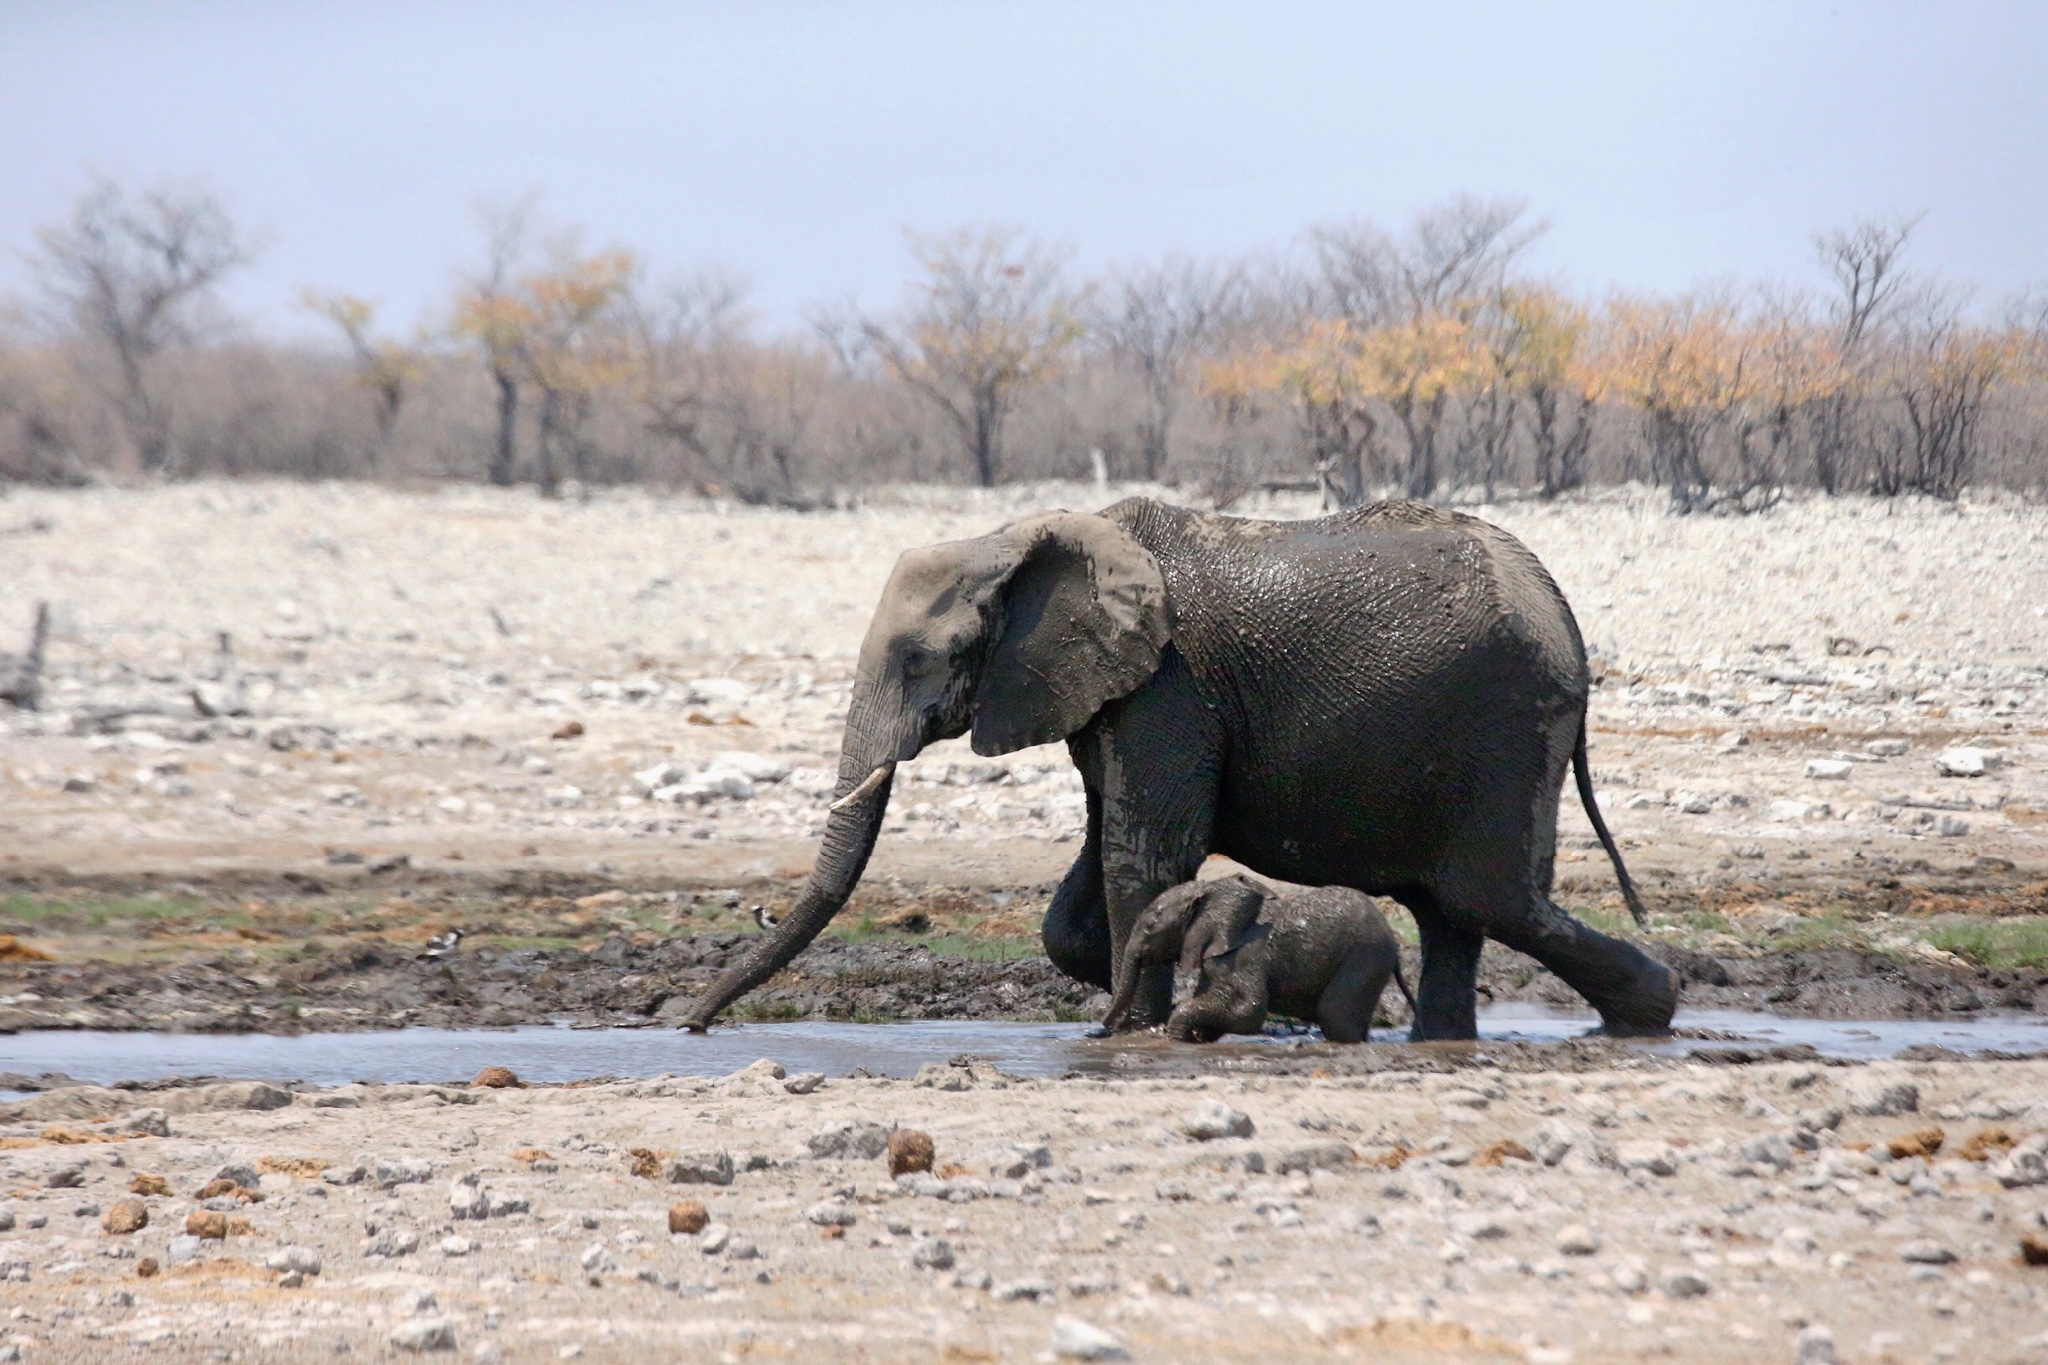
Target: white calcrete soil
1669,1211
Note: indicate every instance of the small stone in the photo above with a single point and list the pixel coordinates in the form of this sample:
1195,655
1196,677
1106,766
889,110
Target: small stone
291,1279
933,1253
147,1123
207,1225
393,1242
909,1151
468,1199
125,1216
1213,1119
1576,1239
505,1205
687,1218
1828,769
855,1141
596,1260
714,1169
715,1239
417,1301
1926,1253
1629,1275
1012,1291
305,1260
146,1267
181,1249
1815,1346
804,1082
2034,1250
498,1078
428,1334
1316,1156
1479,1226
830,1215
1968,761
455,1244
1683,1284
1074,1339
1657,1158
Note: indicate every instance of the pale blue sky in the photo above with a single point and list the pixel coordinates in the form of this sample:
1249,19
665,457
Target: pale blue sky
1665,142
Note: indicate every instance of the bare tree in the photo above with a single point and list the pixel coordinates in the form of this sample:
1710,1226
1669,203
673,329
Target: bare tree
1156,320
384,367
130,271
992,316
488,314
1866,263
1453,252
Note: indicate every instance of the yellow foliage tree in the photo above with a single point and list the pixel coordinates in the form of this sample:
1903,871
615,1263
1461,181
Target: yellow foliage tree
384,367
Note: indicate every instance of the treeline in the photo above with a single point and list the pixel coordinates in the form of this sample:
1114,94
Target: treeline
1427,361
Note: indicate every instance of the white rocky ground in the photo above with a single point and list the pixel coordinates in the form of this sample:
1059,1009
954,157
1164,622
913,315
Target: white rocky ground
1651,1211
1772,687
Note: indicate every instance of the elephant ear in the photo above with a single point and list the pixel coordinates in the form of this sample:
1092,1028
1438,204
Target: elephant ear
1083,619
1235,903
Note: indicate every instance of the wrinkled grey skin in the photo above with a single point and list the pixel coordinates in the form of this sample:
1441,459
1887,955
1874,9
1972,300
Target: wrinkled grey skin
1322,955
1385,699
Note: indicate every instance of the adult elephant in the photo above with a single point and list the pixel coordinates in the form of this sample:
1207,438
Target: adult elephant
1385,699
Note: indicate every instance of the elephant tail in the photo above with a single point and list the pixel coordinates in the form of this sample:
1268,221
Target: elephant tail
1401,980
1584,773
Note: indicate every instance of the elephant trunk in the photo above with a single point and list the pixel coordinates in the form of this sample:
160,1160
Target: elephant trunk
850,832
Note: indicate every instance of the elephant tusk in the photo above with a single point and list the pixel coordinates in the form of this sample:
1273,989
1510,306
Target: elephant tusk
869,785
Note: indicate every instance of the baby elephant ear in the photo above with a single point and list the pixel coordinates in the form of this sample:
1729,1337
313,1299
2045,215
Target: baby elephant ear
1082,622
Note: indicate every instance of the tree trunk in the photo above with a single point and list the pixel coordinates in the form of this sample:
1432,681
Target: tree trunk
507,451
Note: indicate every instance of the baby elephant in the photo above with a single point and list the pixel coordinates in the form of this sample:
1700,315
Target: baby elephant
1323,954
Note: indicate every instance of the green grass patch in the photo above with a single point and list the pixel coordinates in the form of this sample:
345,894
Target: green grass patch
1997,944
1814,932
765,1011
50,914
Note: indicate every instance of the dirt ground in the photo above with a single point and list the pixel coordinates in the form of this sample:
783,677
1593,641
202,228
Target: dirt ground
560,724
1453,1202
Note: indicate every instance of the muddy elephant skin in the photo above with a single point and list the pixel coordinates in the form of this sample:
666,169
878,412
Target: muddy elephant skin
1385,699
1323,955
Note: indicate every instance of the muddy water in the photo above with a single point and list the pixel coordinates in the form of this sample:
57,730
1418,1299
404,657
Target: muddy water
560,1054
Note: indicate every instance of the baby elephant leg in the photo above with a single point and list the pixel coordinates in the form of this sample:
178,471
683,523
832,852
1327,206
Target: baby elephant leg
1345,1009
1223,1002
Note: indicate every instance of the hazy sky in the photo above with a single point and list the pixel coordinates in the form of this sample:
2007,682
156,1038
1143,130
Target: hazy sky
1666,142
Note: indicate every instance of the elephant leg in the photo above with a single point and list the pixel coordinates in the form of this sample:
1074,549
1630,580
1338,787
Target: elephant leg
1076,931
1225,1000
1446,995
1345,1009
1635,994
1159,752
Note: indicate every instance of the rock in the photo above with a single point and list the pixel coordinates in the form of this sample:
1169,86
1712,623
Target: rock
1885,1101
933,1253
388,1172
468,1199
55,1173
597,1260
143,1183
226,1097
1967,761
418,1301
1558,1139
934,1076
857,1141
206,1224
125,1216
426,1334
1815,1345
1828,769
804,1082
1658,1158
504,1205
1926,1252
714,1169
1683,1284
1315,1156
180,1249
498,1078
455,1244
830,1215
1074,1339
150,1122
1770,1150
393,1242
1213,1119
6,1219
1576,1239
304,1260
687,1218
909,1151
1479,1226
1012,1291
1629,1275
715,1239
1887,748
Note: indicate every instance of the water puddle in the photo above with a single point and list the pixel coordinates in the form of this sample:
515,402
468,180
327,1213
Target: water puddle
546,1054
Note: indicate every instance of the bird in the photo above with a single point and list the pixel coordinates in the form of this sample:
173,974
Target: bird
442,946
763,918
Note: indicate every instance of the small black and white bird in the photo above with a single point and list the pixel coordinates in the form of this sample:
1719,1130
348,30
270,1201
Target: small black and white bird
442,947
763,918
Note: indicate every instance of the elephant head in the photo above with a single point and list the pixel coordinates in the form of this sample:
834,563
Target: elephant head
1185,924
1019,636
